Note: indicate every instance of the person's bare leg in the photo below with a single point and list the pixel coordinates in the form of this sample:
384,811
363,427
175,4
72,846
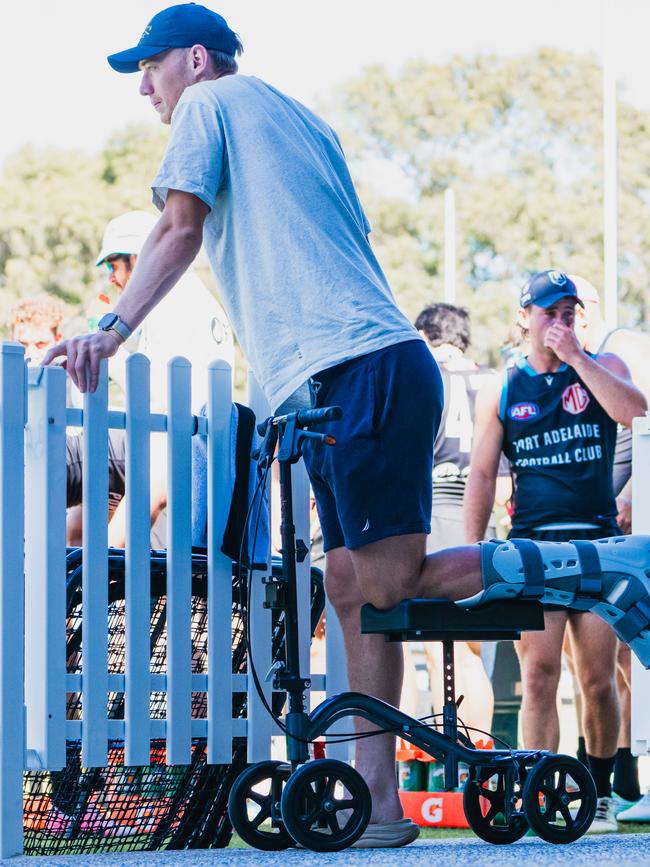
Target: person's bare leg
540,657
74,527
409,698
623,680
472,682
594,651
397,568
374,667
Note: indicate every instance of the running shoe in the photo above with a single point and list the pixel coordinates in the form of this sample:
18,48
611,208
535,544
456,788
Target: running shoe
639,812
605,818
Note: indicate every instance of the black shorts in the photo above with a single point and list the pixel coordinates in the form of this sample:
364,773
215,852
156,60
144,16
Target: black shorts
116,465
376,481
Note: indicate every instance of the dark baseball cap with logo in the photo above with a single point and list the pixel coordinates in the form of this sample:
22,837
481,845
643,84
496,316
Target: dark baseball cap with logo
546,287
178,26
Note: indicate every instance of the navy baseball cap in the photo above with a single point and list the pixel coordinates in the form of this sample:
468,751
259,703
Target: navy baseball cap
178,26
547,287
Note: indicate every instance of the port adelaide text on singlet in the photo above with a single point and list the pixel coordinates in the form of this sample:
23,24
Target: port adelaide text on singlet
563,437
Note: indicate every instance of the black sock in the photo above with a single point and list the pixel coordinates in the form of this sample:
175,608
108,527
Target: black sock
626,775
601,771
581,752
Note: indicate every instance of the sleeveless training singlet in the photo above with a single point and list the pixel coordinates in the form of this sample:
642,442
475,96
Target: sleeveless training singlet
453,443
560,443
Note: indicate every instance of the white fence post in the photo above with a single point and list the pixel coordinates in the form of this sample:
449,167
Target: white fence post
180,424
220,724
12,598
336,679
94,584
260,725
640,723
45,573
137,578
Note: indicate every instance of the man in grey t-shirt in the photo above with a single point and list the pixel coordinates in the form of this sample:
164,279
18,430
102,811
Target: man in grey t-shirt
263,183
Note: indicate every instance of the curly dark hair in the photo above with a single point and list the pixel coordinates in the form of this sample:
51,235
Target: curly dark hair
445,323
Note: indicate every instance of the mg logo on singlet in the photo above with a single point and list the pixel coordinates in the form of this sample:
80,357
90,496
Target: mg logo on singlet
523,411
575,399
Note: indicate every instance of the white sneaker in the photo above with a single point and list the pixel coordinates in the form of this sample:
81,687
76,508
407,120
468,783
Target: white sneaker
639,812
605,818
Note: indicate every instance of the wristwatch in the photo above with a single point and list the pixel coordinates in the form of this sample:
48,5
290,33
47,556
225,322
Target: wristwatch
112,322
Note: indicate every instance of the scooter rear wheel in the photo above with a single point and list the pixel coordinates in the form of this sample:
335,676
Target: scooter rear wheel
254,806
326,805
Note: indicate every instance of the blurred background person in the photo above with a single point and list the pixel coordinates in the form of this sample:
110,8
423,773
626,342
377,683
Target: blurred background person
554,414
35,324
447,331
189,322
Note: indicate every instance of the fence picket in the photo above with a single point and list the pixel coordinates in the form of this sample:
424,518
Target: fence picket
220,722
12,598
45,511
180,424
94,662
137,563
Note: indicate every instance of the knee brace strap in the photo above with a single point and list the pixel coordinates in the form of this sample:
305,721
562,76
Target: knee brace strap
591,579
632,624
533,568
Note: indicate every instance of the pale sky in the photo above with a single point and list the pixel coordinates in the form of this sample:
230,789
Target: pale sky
59,90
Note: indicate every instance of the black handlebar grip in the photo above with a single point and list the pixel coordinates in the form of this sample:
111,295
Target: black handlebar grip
317,416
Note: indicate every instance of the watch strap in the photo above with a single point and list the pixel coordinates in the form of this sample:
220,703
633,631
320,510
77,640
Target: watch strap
121,328
112,322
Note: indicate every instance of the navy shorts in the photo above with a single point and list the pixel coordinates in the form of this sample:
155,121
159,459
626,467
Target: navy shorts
376,481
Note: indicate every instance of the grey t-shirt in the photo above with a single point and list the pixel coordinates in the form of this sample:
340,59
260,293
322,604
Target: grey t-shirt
286,235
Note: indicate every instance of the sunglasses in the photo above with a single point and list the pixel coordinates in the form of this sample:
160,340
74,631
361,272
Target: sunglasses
111,263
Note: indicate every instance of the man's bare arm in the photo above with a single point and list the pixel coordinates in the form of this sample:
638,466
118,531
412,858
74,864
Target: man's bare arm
484,464
608,379
168,252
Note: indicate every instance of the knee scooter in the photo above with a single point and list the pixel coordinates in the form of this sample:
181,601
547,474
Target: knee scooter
325,804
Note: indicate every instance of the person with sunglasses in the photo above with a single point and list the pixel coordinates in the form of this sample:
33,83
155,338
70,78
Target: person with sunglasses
189,322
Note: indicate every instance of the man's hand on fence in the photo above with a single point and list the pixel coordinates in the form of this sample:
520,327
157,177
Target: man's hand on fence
82,356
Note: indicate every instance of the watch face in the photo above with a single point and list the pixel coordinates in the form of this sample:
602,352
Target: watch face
107,320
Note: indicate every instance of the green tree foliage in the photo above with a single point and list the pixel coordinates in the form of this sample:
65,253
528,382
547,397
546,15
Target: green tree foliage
520,141
54,206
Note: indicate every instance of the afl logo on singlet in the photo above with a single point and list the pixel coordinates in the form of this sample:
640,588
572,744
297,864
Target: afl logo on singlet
523,411
575,399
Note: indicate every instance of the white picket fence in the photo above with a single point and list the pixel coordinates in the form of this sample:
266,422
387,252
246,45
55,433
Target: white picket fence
33,678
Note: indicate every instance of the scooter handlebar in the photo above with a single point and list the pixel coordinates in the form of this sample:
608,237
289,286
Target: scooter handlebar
318,416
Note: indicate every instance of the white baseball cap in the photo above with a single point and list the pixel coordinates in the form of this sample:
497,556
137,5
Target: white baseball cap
125,235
